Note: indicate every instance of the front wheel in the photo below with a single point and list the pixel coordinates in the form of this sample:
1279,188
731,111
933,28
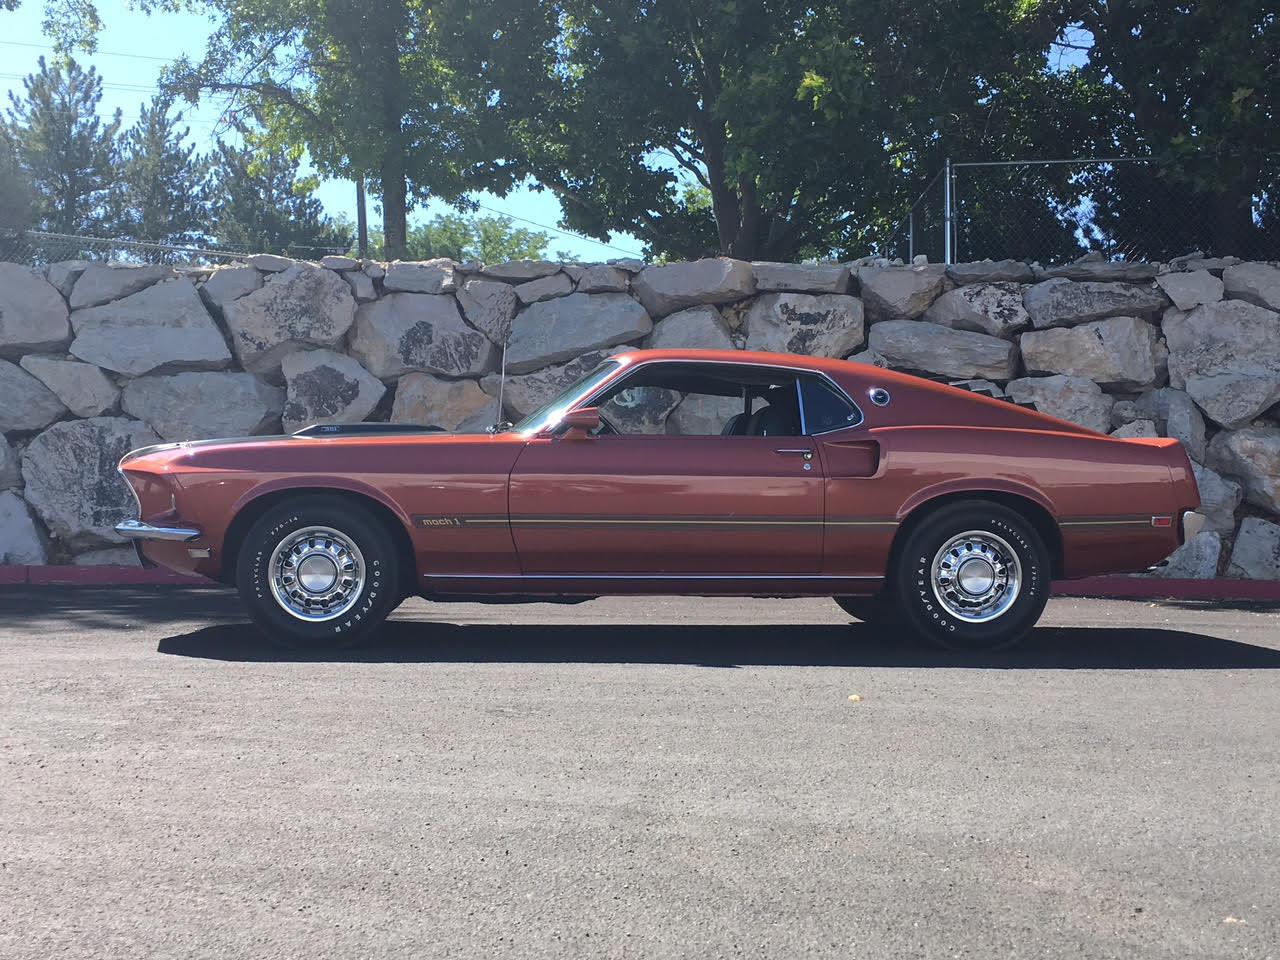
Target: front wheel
973,576
318,570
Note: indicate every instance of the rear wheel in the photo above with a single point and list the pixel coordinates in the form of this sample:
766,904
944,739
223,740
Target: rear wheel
972,576
318,570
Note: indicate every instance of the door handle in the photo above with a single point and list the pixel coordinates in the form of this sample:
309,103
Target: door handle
803,451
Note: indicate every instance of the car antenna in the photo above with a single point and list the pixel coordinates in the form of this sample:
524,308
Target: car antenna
500,424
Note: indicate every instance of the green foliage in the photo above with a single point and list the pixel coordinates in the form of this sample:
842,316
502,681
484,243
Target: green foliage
66,152
159,193
259,204
488,239
15,189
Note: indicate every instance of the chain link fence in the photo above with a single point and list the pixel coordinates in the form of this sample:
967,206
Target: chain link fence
37,248
1054,211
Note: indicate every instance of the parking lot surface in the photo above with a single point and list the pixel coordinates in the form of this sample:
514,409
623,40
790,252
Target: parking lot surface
643,778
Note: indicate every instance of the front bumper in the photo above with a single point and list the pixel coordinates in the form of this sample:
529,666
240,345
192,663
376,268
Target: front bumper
137,530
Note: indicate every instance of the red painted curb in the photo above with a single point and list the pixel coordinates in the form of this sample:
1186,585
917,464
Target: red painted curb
1131,588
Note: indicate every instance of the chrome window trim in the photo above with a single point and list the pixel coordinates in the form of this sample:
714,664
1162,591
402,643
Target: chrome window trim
840,391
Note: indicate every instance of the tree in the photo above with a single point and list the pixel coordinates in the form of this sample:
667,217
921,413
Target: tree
390,91
260,205
160,192
66,151
488,239
15,190
806,125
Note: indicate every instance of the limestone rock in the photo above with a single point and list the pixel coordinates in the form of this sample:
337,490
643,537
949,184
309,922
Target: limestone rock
64,274
27,403
666,288
1073,399
33,315
1258,283
230,283
83,388
1256,554
697,328
1119,353
576,271
1197,559
489,306
453,404
1188,290
327,387
801,277
1227,354
361,285
103,282
544,288
984,387
427,276
108,557
271,263
520,271
10,470
1062,303
556,330
71,479
299,307
163,328
341,264
523,394
20,542
202,406
1251,456
992,308
917,345
630,264
1176,416
419,331
1136,428
823,325
871,358
602,278
1103,270
372,269
1219,498
901,293
990,271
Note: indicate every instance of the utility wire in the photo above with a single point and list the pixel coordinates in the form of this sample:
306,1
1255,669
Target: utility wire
564,233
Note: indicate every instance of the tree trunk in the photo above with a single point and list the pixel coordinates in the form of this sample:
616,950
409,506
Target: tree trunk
1234,233
395,235
362,220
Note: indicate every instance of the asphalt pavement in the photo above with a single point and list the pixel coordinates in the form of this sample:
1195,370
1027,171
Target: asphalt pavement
648,777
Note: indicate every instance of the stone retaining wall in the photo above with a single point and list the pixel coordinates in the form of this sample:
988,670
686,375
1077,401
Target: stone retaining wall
96,359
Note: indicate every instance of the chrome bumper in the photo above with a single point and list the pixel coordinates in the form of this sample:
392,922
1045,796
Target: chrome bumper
1192,523
137,530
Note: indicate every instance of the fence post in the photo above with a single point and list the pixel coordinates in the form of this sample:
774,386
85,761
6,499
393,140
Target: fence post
911,236
946,213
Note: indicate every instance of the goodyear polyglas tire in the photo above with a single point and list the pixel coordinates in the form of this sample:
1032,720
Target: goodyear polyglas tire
318,570
974,575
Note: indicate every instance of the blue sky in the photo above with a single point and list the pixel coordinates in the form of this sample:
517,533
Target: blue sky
133,47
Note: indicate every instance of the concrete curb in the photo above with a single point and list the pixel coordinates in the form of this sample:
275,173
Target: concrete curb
1125,588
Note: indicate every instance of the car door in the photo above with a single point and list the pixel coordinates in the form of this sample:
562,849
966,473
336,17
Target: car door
658,505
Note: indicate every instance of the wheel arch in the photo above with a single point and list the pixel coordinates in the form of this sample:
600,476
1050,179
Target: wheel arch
252,509
1035,513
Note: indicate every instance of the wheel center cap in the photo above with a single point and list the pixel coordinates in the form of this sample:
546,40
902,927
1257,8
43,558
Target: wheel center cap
317,574
976,576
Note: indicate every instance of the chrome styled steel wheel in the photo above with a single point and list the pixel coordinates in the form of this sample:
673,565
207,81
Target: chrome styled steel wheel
971,575
317,573
320,570
976,576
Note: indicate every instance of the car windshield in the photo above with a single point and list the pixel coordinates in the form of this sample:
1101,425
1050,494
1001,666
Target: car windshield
554,409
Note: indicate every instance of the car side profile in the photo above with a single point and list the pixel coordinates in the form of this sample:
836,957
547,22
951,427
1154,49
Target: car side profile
693,472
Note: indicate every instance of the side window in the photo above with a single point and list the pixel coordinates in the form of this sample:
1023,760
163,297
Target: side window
825,408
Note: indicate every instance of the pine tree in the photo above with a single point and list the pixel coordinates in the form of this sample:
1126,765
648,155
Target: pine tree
260,205
160,193
15,191
67,152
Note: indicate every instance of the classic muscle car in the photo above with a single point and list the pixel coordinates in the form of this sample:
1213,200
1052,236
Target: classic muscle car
676,472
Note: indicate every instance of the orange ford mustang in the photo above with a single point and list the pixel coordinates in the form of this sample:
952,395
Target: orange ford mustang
676,472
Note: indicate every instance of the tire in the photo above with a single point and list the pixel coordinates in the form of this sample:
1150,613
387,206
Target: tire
972,576
318,571
866,609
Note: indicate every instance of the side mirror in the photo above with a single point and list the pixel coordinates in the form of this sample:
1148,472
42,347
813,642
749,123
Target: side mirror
578,424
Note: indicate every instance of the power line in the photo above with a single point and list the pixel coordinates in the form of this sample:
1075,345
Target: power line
96,53
563,233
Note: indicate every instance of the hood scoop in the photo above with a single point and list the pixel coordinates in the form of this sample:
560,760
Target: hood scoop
363,429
